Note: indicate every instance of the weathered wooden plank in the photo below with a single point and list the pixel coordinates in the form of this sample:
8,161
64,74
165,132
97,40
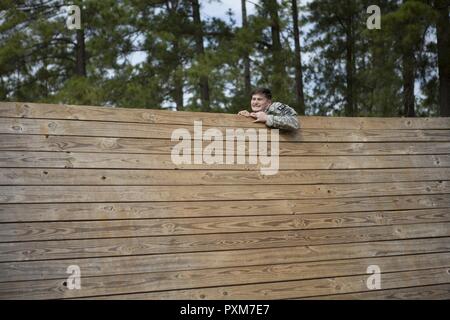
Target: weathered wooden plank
165,131
165,227
54,269
51,269
48,194
60,111
373,122
39,231
293,289
150,116
102,211
21,159
429,292
177,257
18,142
145,210
200,219
153,281
35,176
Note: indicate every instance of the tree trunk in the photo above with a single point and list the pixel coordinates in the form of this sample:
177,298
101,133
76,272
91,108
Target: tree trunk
80,68
298,62
176,62
247,79
349,68
178,78
443,46
200,50
408,83
279,72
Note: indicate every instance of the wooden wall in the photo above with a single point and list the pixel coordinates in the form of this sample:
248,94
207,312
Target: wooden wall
95,187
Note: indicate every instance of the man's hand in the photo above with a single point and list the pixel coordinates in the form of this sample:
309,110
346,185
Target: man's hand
244,113
260,116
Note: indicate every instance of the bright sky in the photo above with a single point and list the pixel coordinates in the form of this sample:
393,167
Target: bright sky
218,8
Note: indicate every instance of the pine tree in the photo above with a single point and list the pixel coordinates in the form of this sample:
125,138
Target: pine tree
443,48
300,105
405,30
334,38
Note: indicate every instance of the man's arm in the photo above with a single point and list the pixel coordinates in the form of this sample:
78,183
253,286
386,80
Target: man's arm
286,122
281,116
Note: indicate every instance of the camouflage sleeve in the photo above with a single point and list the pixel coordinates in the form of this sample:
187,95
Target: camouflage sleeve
283,117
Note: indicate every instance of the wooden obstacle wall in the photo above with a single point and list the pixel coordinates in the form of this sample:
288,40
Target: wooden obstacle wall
95,187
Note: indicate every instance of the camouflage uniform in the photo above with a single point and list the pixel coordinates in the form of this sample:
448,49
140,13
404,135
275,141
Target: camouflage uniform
281,116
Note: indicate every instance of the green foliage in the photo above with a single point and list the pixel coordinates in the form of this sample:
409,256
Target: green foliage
80,90
38,55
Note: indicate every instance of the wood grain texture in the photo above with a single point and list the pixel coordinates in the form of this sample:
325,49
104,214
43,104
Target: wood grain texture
21,142
158,227
298,288
96,187
73,112
430,292
426,253
211,242
154,281
196,209
165,131
51,194
68,160
133,177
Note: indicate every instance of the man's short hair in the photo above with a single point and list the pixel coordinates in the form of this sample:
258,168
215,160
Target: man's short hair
264,91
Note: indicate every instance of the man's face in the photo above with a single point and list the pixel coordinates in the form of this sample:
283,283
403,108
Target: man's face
260,102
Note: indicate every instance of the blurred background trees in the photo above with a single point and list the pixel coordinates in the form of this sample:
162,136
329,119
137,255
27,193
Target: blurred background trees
317,56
